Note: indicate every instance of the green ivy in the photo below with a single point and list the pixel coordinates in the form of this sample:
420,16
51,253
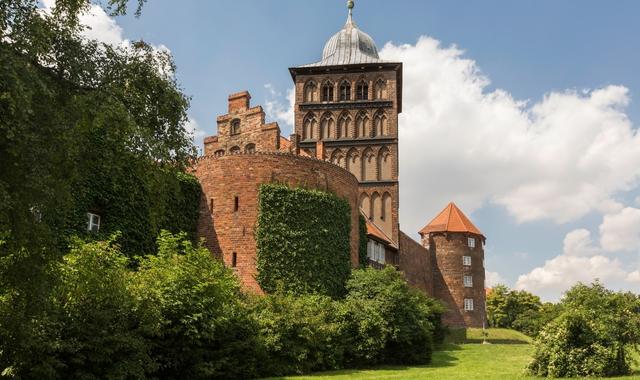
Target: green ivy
362,249
303,241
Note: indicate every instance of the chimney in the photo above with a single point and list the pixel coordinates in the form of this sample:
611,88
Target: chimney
239,102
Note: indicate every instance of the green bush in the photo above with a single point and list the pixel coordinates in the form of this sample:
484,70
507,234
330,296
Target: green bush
299,334
195,321
385,321
303,241
592,336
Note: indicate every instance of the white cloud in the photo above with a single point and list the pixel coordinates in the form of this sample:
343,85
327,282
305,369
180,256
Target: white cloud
492,279
194,130
579,243
276,109
560,273
634,277
558,159
621,231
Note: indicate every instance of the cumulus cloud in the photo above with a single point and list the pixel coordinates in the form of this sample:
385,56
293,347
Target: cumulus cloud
558,159
621,231
280,108
492,279
579,243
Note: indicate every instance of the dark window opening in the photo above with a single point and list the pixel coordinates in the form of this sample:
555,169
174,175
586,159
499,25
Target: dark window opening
362,91
327,92
234,260
236,204
345,91
211,205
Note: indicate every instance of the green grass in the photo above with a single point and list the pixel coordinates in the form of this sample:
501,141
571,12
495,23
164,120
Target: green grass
504,358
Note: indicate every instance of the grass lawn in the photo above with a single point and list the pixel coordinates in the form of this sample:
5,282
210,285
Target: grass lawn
462,357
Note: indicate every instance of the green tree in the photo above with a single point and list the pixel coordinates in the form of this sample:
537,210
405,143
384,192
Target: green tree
506,306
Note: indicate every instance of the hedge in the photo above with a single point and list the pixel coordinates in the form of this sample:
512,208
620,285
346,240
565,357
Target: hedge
303,241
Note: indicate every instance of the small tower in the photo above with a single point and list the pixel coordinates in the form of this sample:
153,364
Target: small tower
457,254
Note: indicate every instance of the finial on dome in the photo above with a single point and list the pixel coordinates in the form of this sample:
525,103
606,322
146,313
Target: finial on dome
350,5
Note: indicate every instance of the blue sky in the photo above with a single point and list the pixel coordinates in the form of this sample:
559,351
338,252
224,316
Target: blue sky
526,50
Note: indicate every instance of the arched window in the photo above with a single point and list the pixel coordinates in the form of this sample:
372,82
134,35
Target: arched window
337,158
369,165
345,91
365,204
235,126
385,215
310,92
354,163
362,91
344,126
235,150
327,92
376,208
327,127
219,153
309,127
380,127
380,89
362,126
250,148
384,164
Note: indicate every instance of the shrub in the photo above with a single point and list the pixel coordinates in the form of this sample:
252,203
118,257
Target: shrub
303,241
299,334
592,336
385,321
195,320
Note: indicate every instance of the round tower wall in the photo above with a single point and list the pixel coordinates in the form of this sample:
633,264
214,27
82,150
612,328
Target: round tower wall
448,251
229,203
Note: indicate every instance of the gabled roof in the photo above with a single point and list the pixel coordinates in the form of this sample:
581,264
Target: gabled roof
451,219
375,232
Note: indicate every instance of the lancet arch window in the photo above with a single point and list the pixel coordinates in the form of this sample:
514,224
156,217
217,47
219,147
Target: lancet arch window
380,89
362,125
327,127
344,126
309,127
345,91
235,127
381,127
327,92
310,92
385,164
362,90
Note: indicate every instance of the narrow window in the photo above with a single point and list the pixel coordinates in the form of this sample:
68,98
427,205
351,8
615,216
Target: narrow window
236,204
211,205
468,281
345,91
471,242
234,260
93,222
468,304
235,127
466,261
219,153
362,91
327,92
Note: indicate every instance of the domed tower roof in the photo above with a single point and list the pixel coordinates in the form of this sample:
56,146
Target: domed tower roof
350,46
451,219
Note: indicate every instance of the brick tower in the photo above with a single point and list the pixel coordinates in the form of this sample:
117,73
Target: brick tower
457,254
346,112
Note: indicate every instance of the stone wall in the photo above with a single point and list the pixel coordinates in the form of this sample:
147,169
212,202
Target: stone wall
447,250
415,263
229,205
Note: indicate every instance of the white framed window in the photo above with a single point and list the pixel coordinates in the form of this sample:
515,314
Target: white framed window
471,242
466,261
468,304
93,222
375,251
468,281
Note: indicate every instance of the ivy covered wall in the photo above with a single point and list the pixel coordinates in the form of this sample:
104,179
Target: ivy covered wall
302,241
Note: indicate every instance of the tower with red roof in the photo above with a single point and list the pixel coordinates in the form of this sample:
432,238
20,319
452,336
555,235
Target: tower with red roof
457,256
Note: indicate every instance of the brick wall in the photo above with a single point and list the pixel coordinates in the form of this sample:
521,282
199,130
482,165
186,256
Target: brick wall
447,250
227,230
415,263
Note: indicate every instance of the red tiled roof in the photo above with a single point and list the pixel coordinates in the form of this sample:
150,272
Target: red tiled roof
377,233
451,219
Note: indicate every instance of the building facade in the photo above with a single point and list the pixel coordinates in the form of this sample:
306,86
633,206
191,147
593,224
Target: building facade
345,141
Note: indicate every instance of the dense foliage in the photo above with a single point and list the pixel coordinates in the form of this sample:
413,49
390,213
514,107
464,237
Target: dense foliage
181,314
84,127
362,247
518,310
592,336
303,240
